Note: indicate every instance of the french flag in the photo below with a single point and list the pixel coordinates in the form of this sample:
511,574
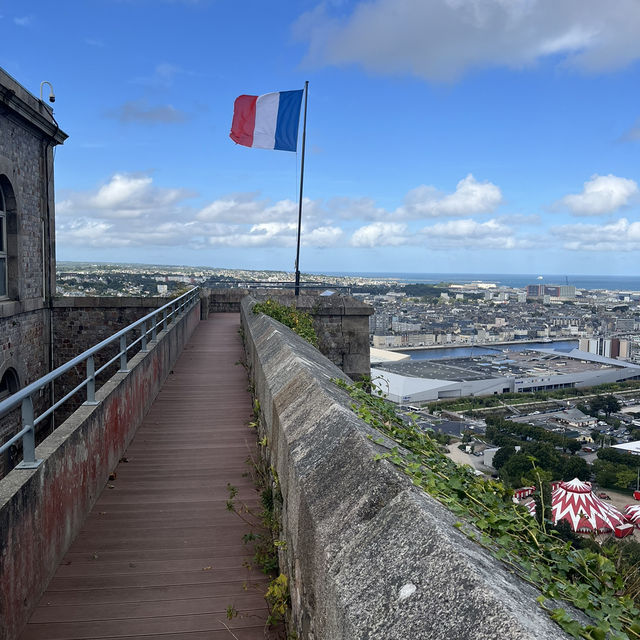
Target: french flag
267,122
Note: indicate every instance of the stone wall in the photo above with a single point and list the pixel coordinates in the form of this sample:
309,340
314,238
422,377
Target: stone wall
42,510
82,322
225,300
24,347
368,555
28,134
341,322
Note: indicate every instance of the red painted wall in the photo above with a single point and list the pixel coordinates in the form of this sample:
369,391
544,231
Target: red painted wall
42,510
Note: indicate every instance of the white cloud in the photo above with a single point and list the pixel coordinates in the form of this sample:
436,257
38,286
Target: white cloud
130,211
381,234
471,233
124,196
620,235
439,40
601,195
322,237
244,207
470,197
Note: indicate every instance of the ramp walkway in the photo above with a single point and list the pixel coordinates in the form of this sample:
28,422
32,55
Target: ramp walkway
160,557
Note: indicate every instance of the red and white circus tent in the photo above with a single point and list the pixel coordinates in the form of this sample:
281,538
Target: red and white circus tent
632,513
574,502
523,492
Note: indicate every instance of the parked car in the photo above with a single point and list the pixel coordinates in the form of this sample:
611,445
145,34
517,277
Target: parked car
603,496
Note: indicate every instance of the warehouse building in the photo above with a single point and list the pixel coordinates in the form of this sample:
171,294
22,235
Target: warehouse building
512,372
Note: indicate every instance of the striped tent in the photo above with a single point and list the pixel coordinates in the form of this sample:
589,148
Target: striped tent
632,512
575,502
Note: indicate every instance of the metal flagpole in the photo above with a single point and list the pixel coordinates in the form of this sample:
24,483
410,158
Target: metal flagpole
304,138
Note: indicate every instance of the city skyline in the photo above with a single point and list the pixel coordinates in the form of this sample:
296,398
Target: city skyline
444,136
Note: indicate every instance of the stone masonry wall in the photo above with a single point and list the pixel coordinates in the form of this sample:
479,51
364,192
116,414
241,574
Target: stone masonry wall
368,555
82,322
341,322
27,136
22,153
23,347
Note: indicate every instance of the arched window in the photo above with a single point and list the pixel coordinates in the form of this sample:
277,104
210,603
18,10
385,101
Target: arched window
8,241
4,284
9,383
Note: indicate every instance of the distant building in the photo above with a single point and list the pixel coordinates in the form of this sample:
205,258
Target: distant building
607,347
552,290
519,372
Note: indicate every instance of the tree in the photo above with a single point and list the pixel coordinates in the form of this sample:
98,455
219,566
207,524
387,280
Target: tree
606,473
611,405
596,405
502,455
625,478
574,446
575,467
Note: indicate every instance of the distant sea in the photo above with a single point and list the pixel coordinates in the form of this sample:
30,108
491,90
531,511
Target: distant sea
518,280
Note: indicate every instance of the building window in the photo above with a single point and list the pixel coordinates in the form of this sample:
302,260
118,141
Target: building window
9,383
8,241
4,285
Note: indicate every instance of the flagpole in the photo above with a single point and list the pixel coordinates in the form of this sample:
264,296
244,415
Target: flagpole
304,139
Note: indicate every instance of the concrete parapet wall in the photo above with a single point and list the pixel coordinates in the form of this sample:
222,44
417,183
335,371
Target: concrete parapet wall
368,555
42,510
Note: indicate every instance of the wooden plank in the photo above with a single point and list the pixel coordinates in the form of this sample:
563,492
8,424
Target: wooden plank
160,555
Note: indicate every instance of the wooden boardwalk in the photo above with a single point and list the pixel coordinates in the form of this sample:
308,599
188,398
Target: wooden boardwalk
160,557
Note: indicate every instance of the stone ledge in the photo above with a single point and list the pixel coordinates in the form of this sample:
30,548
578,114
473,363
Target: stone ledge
358,531
10,308
109,301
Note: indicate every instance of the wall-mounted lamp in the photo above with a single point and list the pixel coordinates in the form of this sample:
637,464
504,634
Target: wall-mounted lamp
52,97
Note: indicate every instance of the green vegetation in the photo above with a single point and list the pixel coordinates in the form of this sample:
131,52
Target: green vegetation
506,432
606,404
538,444
616,469
470,403
424,290
516,469
298,321
601,583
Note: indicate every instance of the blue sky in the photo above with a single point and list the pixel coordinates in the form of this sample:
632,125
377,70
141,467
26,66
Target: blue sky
443,135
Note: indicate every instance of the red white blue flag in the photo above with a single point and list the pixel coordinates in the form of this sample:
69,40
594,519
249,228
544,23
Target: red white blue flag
269,121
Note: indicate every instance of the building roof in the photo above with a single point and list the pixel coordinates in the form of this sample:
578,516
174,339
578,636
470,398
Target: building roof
25,106
629,447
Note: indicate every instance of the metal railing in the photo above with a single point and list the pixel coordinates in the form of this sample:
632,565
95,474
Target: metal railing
148,327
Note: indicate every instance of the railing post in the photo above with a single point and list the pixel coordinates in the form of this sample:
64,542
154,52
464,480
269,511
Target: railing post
123,353
91,381
154,325
143,335
164,319
28,439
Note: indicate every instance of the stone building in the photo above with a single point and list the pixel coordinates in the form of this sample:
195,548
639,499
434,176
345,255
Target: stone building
28,134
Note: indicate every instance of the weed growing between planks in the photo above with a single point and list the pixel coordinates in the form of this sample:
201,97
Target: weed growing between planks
584,579
265,529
